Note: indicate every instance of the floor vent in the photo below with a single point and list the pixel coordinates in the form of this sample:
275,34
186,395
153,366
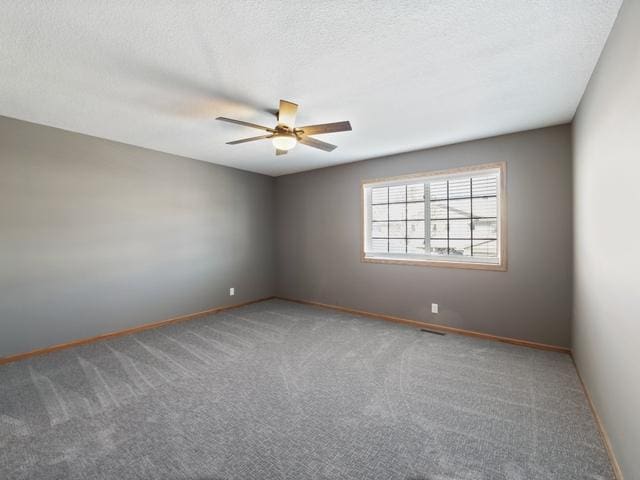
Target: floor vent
432,331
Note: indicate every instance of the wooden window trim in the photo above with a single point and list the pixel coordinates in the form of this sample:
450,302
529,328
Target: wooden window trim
501,266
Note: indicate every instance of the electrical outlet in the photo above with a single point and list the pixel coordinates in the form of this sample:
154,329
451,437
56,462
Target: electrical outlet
232,291
434,308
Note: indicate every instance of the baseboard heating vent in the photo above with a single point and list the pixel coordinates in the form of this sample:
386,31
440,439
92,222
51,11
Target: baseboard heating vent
432,331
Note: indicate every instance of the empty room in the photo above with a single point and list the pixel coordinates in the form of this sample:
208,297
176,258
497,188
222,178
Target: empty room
342,239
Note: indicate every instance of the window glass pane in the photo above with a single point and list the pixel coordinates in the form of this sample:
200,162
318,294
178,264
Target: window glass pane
415,246
460,208
438,247
400,224
438,190
398,193
439,209
415,211
397,229
397,245
380,195
485,207
379,229
379,212
397,211
460,229
486,185
415,192
485,248
438,229
415,229
460,247
485,228
460,188
379,245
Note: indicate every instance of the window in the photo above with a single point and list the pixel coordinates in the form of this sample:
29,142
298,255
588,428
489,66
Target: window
449,218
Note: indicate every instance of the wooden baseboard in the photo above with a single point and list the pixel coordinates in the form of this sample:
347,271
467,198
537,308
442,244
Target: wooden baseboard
126,331
617,471
433,326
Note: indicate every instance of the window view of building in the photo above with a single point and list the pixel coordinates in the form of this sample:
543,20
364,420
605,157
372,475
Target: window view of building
444,216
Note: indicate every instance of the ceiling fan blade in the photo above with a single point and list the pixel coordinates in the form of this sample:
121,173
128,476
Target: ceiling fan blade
280,152
287,113
250,139
325,128
245,124
312,142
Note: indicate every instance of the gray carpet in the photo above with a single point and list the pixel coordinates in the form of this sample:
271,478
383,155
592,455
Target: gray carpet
278,390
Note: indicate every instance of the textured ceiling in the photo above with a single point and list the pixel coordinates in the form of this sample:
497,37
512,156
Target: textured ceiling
407,74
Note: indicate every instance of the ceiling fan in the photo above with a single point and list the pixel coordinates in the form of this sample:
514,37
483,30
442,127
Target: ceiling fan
285,135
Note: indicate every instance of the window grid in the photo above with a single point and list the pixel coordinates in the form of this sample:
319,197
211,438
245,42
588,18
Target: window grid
471,218
448,220
427,218
471,212
454,216
394,228
405,202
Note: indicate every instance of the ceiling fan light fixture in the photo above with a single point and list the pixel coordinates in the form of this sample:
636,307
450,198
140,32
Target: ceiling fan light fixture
284,141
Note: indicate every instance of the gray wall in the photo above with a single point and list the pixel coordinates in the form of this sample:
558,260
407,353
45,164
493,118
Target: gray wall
318,242
606,327
96,236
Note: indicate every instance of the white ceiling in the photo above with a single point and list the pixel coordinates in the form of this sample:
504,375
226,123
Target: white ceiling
407,74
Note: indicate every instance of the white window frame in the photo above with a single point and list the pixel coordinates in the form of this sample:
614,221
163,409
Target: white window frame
452,261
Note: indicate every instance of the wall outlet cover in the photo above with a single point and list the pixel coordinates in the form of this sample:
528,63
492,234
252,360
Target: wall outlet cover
434,308
232,291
